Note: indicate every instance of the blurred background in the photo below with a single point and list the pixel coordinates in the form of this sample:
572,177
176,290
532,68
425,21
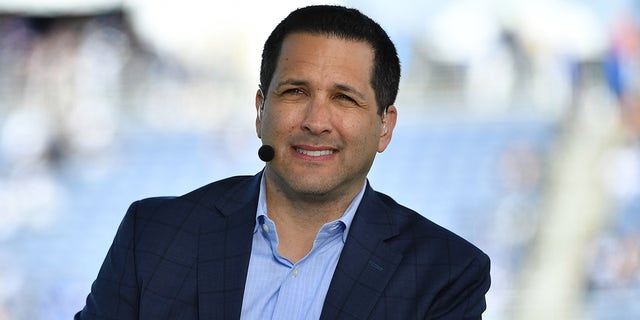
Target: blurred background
519,127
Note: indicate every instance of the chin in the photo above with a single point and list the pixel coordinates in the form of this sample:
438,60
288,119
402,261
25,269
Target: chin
312,189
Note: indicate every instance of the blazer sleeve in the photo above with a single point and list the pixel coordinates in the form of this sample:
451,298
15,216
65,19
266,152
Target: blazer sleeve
464,296
115,294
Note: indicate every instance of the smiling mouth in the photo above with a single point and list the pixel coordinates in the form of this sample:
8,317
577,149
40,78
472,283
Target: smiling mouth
314,153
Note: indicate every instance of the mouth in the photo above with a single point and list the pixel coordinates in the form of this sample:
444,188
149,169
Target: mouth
314,152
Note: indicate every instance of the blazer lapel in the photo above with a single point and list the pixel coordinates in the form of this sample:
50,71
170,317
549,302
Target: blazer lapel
366,263
224,250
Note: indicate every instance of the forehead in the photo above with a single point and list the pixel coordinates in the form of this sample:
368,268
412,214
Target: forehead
324,55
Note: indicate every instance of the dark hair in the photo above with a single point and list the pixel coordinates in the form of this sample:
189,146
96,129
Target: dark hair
344,23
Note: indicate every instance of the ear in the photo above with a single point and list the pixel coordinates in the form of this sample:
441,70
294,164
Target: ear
259,110
388,119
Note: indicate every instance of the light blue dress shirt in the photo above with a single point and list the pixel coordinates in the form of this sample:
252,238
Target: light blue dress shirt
275,287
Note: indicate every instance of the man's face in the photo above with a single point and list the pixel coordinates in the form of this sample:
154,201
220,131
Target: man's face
320,115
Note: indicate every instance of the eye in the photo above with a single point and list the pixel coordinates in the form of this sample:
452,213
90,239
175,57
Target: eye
293,91
346,98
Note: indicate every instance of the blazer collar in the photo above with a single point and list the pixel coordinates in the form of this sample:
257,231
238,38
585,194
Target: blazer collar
225,247
366,263
239,195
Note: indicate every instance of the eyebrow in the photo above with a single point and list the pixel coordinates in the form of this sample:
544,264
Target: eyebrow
340,86
294,82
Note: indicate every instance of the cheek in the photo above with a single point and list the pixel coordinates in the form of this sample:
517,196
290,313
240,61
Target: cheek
276,123
365,136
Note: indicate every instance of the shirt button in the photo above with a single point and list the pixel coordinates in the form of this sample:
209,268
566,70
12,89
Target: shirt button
295,271
265,227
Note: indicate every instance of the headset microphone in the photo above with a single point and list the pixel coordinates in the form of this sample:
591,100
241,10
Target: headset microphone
266,153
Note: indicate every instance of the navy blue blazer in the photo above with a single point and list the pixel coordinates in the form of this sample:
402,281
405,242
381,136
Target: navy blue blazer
187,258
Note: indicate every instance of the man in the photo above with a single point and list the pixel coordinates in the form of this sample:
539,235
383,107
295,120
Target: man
307,238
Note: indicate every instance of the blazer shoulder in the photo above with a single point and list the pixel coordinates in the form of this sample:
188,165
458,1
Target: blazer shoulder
206,196
421,229
217,187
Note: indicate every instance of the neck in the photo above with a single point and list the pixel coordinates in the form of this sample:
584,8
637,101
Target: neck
307,212
308,209
298,219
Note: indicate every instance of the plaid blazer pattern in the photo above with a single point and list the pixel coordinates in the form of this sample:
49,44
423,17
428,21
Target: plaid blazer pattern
187,258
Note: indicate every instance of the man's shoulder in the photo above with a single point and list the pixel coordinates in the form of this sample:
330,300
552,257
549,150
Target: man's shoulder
219,188
206,196
418,229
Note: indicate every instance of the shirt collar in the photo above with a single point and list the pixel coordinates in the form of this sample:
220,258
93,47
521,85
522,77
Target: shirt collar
346,219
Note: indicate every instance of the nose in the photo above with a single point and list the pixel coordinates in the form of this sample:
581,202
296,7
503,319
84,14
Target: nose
317,117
